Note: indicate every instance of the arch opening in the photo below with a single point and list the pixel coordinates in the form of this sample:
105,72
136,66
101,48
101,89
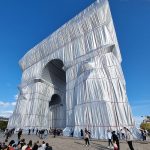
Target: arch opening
55,76
55,100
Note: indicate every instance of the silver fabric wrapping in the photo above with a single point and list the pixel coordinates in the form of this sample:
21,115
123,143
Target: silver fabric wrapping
94,92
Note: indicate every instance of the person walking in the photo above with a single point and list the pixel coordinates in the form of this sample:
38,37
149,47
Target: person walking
109,136
115,139
129,138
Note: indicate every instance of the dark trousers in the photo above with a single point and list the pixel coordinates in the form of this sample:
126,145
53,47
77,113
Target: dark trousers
19,136
109,141
130,145
144,138
117,142
87,141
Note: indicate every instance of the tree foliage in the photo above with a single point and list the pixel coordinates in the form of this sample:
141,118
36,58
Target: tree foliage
3,125
145,126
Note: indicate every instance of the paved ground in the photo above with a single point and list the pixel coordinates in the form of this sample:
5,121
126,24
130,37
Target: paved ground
68,143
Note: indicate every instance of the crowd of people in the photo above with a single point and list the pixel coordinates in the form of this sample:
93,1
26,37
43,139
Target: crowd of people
112,136
22,145
44,132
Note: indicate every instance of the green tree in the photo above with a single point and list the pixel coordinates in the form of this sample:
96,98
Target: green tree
145,126
3,125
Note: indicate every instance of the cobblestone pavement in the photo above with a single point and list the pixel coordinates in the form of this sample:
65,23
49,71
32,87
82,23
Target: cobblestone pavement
69,143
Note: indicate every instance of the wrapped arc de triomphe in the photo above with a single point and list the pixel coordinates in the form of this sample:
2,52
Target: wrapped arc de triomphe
73,79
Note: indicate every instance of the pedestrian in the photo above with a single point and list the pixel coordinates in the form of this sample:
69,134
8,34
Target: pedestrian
37,131
43,145
115,145
7,135
71,132
48,147
81,131
35,147
115,139
29,131
122,134
22,142
86,138
33,130
29,145
45,133
109,136
144,135
10,145
54,132
129,138
19,134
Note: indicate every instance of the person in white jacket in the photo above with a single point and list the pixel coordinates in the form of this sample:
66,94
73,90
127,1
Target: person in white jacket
109,137
129,138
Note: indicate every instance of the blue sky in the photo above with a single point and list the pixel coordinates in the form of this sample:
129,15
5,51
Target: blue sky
24,23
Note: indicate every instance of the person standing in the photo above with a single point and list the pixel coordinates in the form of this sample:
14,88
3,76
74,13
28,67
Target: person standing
37,131
122,134
29,131
144,135
81,131
109,136
129,138
54,132
19,134
33,130
7,135
115,139
86,138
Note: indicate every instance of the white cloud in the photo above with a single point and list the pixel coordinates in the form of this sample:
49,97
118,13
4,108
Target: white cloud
13,103
6,113
6,108
16,96
6,104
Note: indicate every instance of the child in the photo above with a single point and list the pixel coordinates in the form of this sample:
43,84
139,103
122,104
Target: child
115,146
